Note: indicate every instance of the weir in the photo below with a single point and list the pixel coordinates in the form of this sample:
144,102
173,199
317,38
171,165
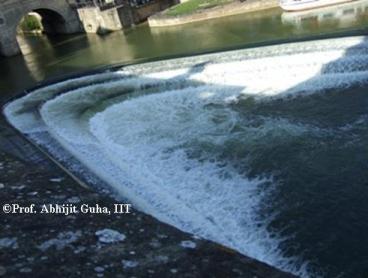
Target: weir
191,141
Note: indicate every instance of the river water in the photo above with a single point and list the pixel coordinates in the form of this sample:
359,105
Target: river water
52,56
261,149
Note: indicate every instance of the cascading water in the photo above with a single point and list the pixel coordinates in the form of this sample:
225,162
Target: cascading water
230,146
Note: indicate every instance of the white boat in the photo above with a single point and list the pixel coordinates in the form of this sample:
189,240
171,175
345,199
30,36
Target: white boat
342,15
299,5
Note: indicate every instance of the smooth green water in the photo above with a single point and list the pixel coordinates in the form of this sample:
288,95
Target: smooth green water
46,57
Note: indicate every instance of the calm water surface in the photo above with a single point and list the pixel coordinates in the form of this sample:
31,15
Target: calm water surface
47,56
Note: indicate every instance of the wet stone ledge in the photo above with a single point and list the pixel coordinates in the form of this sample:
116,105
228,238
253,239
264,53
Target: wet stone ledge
99,245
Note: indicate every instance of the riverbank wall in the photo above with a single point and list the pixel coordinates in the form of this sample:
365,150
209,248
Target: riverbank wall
163,20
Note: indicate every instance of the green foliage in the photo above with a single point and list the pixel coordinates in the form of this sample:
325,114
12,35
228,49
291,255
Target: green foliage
194,5
30,23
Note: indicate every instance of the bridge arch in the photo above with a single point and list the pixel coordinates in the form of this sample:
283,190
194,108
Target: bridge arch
52,21
56,17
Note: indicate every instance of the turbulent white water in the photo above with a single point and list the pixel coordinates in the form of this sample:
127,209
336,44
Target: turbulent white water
155,132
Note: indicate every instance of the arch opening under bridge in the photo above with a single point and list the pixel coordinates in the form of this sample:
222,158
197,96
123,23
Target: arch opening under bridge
56,17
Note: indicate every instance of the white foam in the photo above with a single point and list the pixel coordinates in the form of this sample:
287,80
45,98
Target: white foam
149,137
155,132
23,112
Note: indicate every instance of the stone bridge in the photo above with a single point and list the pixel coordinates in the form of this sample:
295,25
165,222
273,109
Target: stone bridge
57,17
